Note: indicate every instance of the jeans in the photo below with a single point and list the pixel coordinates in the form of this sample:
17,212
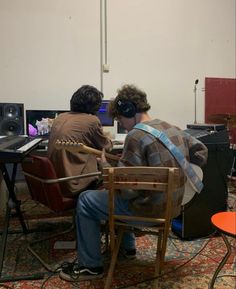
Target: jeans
92,207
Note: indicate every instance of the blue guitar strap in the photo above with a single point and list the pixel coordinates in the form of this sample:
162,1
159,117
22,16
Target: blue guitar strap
185,165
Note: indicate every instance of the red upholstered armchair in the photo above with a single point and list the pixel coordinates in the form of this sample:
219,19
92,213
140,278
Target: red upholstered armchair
44,187
43,184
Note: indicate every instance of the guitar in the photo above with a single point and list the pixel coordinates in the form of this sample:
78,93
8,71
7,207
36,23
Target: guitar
189,189
73,146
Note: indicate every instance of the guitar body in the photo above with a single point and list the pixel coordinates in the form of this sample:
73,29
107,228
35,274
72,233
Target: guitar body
189,190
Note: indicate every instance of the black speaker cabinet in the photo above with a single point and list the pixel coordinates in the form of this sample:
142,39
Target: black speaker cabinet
11,119
195,218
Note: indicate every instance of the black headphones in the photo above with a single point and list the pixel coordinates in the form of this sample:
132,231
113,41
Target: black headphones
126,108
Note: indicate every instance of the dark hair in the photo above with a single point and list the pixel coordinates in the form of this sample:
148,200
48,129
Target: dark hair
129,94
87,99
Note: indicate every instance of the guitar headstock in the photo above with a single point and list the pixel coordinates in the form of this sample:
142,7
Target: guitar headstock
71,146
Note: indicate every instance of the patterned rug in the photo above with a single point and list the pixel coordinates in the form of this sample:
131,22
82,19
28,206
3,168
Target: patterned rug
188,265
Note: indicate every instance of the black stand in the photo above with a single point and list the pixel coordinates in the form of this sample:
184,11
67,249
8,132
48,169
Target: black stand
233,168
195,100
12,203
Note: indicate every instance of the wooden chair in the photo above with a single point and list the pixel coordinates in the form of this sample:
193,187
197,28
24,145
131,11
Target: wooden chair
44,187
225,224
153,179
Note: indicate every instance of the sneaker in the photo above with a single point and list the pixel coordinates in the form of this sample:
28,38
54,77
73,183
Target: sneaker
73,272
128,253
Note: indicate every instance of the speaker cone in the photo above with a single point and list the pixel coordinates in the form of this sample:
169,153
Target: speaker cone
11,111
10,127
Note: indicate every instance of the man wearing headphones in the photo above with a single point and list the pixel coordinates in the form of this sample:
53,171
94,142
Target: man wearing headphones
141,148
83,126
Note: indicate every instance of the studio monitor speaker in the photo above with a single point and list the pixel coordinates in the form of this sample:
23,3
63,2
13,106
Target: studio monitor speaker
11,119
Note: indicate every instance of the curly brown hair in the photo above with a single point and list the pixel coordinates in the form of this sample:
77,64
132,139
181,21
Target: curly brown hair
129,93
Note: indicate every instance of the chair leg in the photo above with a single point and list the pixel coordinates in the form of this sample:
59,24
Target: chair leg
156,283
113,259
158,264
222,263
37,256
157,267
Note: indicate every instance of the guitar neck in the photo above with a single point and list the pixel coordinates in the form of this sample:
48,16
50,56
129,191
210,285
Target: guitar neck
99,153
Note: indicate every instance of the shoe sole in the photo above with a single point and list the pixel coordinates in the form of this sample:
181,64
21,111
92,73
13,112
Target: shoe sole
66,277
129,257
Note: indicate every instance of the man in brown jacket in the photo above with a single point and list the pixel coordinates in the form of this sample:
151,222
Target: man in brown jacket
83,126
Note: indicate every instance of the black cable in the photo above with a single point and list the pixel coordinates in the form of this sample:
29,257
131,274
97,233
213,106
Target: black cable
168,272
193,239
26,277
181,251
226,275
46,280
178,267
211,237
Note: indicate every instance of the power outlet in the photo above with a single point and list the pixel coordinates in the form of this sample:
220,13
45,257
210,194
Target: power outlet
106,68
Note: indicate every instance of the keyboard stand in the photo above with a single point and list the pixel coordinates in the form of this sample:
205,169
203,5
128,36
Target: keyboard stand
12,203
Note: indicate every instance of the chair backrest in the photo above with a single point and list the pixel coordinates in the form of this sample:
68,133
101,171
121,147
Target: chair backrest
37,169
153,179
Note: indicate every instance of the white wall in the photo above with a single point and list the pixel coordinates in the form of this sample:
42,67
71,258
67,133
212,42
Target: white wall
49,48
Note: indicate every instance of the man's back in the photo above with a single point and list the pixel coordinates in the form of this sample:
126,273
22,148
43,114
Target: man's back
82,128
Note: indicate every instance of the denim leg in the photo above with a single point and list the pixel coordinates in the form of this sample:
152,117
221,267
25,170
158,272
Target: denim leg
92,207
128,241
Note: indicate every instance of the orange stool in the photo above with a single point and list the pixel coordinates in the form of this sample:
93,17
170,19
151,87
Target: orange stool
225,223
